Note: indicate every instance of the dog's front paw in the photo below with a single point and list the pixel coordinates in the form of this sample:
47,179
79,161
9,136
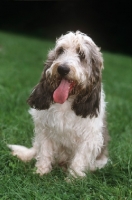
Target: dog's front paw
41,169
72,176
76,173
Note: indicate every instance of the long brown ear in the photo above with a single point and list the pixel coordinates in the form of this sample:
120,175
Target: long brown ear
87,102
42,95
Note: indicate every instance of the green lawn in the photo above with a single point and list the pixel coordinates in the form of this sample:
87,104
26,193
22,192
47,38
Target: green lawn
21,63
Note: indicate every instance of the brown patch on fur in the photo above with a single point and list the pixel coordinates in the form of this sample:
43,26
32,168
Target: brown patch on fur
42,96
87,101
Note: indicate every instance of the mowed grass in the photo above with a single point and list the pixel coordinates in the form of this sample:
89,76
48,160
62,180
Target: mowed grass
21,64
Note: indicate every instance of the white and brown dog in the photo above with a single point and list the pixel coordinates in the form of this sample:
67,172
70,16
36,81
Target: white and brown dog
68,109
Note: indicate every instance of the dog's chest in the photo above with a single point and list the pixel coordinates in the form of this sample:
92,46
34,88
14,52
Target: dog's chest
60,123
61,120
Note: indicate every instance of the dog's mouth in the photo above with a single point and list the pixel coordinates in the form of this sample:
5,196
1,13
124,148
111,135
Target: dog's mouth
62,92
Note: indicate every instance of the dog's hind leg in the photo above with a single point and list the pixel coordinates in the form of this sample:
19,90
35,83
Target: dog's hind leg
23,153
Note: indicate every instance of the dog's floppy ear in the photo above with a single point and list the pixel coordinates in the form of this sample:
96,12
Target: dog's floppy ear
42,95
87,102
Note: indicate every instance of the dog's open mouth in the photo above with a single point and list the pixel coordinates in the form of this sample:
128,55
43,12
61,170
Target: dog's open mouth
61,93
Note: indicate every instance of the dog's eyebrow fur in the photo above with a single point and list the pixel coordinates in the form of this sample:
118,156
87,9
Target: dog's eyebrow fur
60,50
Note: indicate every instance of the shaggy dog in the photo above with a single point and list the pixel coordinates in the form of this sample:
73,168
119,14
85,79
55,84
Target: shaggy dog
68,109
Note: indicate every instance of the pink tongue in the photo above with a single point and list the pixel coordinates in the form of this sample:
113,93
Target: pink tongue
61,93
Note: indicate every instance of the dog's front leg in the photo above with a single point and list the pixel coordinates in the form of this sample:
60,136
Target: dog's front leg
89,155
44,157
78,165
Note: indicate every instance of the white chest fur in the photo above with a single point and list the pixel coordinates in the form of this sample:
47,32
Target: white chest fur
61,124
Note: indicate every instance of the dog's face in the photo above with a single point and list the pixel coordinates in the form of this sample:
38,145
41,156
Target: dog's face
73,68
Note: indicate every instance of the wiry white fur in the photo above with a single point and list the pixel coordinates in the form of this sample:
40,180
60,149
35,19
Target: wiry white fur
60,135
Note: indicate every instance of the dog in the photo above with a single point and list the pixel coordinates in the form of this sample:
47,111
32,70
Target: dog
68,109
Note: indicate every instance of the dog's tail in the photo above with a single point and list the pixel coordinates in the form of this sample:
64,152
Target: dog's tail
23,153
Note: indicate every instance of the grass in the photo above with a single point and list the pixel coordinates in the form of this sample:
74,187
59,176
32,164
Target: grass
21,63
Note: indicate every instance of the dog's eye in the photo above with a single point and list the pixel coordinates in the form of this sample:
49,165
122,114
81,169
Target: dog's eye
81,54
60,51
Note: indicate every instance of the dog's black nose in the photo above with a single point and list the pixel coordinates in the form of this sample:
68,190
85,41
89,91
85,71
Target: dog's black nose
63,70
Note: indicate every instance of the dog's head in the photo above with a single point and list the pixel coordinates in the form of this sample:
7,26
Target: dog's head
73,68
